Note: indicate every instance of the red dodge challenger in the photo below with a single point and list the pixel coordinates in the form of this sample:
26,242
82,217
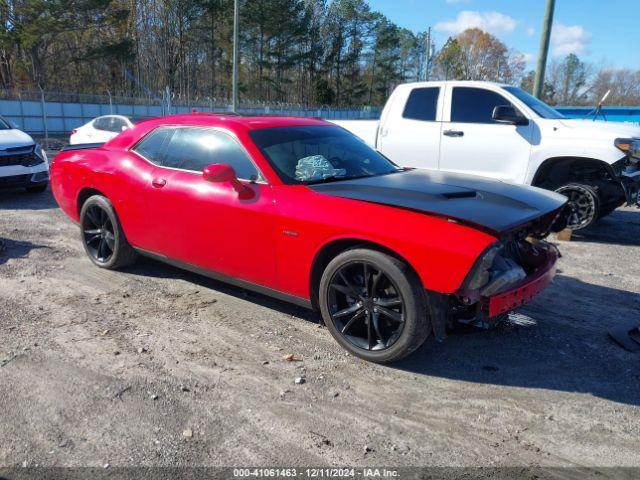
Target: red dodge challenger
302,210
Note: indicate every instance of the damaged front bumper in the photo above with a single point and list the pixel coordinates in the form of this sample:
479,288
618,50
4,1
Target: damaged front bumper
505,277
629,174
630,179
524,290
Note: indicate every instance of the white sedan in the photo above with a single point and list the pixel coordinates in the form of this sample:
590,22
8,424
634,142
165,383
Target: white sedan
101,129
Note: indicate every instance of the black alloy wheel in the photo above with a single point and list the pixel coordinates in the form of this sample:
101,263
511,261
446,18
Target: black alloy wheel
102,235
365,306
584,202
99,234
374,305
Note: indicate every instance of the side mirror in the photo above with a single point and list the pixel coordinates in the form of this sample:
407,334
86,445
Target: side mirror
219,172
223,172
509,115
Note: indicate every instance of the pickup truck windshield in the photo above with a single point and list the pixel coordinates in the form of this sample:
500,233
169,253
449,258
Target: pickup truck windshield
541,108
316,154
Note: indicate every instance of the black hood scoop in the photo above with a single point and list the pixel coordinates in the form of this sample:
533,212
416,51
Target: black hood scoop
497,206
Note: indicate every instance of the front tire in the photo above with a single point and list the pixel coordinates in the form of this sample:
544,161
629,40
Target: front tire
374,305
585,203
102,235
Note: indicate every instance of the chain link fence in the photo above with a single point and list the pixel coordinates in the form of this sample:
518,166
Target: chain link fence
55,113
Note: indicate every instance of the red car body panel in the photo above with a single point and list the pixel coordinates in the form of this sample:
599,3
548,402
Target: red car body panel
270,233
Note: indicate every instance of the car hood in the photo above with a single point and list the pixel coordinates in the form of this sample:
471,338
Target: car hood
601,128
495,206
14,138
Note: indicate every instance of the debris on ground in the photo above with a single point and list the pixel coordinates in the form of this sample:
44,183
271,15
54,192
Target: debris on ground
291,357
187,433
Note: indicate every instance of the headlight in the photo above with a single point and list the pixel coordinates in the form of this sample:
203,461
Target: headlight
480,274
36,157
631,147
623,144
39,151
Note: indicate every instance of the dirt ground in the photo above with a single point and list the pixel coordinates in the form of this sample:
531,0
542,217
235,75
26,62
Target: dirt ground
154,366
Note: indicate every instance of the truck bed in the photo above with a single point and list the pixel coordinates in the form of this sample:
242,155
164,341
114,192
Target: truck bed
367,130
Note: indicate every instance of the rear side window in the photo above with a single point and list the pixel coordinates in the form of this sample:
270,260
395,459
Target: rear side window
475,105
152,146
102,123
117,124
195,148
422,104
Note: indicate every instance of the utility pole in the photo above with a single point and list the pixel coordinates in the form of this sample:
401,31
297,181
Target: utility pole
236,53
544,48
427,69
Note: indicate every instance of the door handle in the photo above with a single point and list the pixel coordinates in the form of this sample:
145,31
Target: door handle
158,182
453,133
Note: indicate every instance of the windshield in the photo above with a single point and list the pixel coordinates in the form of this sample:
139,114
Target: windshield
4,125
315,154
541,108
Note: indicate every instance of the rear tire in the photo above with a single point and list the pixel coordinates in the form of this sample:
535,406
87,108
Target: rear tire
102,235
374,305
585,202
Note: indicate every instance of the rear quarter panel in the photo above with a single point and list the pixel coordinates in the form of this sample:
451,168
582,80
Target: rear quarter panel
121,177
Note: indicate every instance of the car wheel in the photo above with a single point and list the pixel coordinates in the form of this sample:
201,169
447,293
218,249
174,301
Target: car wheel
374,305
102,235
584,202
37,189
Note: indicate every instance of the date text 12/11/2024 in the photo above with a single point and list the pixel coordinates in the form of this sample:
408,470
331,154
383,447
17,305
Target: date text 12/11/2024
368,472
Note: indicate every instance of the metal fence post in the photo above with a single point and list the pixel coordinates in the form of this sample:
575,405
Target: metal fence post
110,103
44,117
23,124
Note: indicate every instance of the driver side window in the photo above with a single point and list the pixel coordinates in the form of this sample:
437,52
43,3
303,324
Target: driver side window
194,149
475,105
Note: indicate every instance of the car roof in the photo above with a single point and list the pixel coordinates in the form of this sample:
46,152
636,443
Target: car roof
233,121
236,124
454,83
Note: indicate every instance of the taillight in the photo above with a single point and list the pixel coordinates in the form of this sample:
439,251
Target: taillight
74,131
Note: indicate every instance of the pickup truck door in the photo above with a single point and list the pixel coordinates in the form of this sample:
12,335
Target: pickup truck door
410,132
472,142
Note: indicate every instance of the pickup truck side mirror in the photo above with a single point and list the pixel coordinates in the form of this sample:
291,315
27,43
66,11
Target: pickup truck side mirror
509,115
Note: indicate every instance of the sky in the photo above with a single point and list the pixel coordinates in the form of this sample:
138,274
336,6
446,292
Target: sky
603,32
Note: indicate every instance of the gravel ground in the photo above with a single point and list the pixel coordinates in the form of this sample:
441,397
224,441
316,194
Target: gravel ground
154,366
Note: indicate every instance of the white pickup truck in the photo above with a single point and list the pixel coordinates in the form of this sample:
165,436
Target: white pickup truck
502,132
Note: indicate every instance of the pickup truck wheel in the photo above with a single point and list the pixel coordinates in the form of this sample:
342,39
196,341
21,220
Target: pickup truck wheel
585,204
102,235
374,305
